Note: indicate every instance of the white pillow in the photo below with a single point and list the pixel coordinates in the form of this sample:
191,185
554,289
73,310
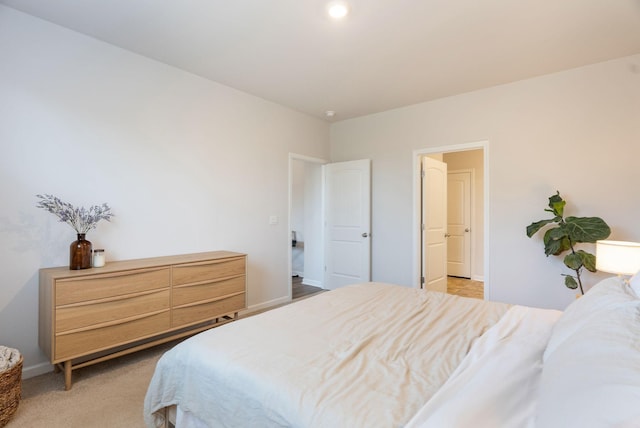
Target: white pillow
608,293
591,378
634,283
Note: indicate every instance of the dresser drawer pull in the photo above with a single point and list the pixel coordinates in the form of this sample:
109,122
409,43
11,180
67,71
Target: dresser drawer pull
210,262
208,281
112,323
202,302
112,299
114,274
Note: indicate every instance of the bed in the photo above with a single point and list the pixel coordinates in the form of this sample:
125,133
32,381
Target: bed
381,355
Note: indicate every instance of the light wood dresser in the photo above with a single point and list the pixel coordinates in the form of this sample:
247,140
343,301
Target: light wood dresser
91,315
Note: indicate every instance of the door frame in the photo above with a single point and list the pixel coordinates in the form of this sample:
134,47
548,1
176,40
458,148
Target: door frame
417,201
296,157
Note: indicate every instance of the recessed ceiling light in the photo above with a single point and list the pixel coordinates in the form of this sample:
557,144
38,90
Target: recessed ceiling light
329,113
337,10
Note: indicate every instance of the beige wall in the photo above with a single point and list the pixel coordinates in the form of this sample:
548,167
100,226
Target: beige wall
187,165
576,131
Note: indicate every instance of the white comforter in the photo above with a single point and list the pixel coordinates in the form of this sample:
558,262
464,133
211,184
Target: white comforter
496,385
368,355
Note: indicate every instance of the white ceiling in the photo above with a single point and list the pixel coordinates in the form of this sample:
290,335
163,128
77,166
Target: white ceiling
386,54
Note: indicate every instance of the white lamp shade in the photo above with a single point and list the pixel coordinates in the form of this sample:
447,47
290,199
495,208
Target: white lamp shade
619,257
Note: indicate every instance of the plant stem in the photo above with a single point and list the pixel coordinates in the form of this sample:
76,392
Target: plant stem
579,281
577,270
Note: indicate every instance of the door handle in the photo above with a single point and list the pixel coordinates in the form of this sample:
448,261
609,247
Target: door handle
365,234
446,235
467,229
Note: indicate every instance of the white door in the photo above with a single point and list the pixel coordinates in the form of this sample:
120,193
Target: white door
459,224
347,223
434,224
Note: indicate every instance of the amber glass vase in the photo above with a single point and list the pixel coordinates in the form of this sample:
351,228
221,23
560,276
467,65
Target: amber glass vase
80,253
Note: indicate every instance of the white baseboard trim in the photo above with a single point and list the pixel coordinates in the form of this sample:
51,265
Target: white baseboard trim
36,370
266,305
297,273
312,282
477,278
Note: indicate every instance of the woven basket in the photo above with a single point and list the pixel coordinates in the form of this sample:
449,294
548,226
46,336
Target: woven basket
10,392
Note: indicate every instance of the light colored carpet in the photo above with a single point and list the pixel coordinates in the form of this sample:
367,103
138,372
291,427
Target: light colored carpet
109,394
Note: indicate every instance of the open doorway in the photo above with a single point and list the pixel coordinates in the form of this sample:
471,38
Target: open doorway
461,267
306,249
329,223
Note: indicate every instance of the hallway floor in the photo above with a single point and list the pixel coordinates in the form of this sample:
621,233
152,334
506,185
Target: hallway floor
465,287
299,290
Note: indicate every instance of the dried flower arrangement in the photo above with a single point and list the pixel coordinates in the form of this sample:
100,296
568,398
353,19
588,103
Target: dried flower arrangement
81,219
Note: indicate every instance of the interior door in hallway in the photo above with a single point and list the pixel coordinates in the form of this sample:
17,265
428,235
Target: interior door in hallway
459,223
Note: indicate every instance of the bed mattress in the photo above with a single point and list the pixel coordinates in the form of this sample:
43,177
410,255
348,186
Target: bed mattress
365,355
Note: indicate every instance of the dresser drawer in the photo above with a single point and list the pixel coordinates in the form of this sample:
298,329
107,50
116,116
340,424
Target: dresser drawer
97,312
192,314
217,269
71,345
207,291
95,287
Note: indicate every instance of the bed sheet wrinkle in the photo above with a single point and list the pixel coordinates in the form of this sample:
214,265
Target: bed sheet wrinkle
497,382
367,355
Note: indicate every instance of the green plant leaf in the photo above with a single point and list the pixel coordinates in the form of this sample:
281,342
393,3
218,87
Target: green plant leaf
586,229
558,233
556,203
550,245
588,260
556,241
566,234
557,247
565,245
536,226
570,282
573,261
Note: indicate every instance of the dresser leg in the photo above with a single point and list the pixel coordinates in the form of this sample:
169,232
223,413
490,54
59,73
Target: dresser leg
67,375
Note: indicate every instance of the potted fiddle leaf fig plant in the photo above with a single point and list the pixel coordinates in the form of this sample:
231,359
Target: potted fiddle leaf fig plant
563,236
